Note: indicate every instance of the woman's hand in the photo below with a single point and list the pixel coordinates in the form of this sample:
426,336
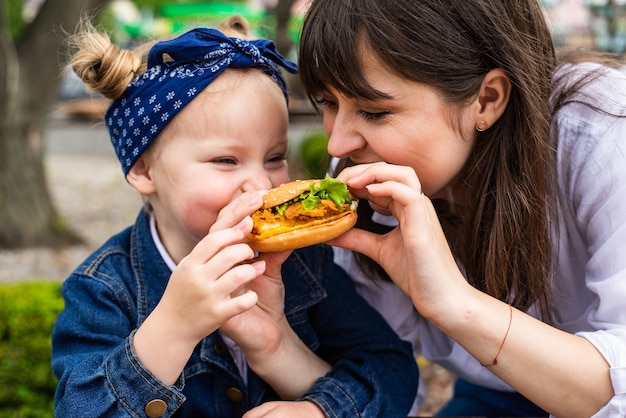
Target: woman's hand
415,254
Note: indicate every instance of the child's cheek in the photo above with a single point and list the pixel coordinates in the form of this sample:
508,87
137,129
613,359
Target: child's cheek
200,213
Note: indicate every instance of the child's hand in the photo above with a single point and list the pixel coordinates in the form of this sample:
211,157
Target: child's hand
284,409
260,330
272,348
205,289
203,292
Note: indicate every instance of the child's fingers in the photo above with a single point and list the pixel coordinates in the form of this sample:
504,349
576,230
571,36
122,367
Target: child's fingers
236,278
241,303
228,258
236,298
215,242
242,206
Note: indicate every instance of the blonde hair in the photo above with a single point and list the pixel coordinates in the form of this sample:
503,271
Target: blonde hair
107,69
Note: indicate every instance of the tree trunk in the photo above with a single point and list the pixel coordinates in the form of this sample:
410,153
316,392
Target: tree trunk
29,81
283,13
285,45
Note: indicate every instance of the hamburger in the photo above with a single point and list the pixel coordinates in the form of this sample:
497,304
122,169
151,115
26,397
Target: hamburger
302,213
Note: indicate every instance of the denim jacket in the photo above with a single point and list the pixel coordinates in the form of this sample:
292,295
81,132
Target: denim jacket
108,297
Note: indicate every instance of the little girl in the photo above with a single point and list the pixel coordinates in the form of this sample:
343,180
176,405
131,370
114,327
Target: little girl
175,316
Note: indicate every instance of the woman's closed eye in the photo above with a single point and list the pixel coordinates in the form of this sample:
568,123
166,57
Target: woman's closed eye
368,116
326,103
373,116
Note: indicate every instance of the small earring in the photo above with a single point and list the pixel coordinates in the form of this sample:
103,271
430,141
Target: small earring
482,126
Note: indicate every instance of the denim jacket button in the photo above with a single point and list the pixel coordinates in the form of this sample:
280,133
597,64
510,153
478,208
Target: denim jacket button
234,395
155,408
220,349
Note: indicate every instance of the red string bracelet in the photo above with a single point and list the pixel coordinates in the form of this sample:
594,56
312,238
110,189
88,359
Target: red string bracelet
495,359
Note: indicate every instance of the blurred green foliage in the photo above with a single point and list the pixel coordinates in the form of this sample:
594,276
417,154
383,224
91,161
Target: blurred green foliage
13,13
27,313
155,5
314,154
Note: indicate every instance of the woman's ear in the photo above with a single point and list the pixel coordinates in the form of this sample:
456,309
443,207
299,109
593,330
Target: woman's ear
139,177
493,98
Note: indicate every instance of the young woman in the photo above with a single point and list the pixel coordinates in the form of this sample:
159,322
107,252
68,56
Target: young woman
505,175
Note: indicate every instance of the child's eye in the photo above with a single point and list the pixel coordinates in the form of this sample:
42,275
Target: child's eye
224,160
277,160
373,116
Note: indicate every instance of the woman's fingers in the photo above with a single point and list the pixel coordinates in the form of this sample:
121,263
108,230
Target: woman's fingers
359,176
382,183
364,242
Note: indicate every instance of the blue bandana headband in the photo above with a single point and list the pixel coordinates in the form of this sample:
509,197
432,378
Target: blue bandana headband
198,57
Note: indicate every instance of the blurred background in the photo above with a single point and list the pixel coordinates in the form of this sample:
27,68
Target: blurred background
62,192
595,24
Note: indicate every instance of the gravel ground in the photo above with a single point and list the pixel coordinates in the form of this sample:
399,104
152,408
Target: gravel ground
90,193
93,198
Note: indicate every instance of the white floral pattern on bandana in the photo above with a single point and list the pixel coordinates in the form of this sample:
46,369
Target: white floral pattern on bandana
197,58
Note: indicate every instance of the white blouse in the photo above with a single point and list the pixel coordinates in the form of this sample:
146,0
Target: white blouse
589,296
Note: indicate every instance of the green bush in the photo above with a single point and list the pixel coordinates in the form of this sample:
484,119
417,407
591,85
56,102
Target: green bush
314,154
27,314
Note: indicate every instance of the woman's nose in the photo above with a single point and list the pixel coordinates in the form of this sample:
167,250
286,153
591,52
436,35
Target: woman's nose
343,138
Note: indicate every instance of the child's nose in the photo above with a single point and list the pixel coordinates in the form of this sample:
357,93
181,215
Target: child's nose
257,181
